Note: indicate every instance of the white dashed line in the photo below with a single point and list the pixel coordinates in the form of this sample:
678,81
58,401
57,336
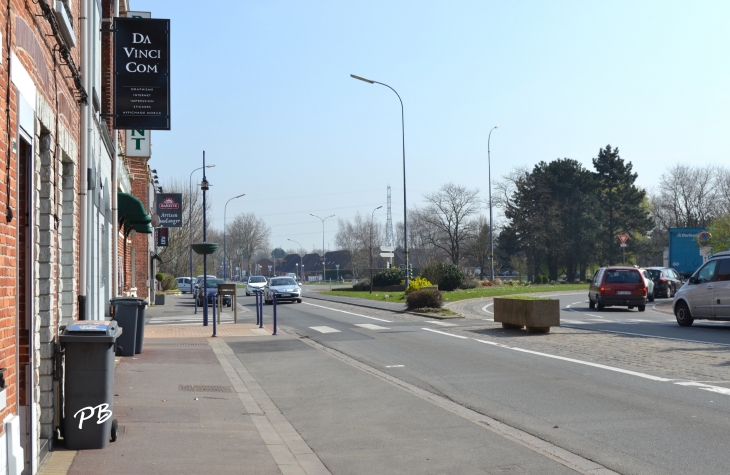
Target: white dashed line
325,329
444,324
706,387
395,366
444,333
349,313
370,326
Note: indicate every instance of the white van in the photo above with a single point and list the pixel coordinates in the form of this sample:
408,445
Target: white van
183,284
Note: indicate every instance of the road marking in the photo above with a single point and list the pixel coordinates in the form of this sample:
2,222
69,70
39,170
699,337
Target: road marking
444,333
485,308
706,387
349,313
395,366
325,329
654,336
571,360
444,324
575,322
370,326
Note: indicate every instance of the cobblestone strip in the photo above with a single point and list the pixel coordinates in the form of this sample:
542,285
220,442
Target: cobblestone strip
290,452
59,462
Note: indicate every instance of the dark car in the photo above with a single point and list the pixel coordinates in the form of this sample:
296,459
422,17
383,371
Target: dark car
618,286
212,291
666,281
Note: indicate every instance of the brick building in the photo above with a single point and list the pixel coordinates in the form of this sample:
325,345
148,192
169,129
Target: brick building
63,254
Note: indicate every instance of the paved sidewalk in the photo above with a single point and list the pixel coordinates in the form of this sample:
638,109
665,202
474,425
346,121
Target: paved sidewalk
187,405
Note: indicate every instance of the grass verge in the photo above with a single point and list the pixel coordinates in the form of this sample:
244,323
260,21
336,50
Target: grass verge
456,295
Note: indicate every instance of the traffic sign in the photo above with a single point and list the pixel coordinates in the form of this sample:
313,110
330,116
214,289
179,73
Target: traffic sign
623,238
387,254
387,248
623,244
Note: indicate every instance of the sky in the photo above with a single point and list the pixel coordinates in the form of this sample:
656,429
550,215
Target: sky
264,89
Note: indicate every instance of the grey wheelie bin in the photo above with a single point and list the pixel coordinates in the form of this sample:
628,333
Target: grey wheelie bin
89,384
141,306
125,314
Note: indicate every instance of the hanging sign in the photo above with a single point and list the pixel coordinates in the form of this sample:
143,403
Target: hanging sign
138,143
141,73
162,235
169,207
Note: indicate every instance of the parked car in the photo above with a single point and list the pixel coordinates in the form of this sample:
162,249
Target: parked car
706,295
618,286
666,281
285,288
255,282
199,283
184,284
212,291
649,284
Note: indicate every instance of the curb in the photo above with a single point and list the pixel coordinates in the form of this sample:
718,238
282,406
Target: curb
358,304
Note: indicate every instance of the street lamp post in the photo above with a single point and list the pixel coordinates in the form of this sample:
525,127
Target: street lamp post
190,221
324,254
403,136
225,274
204,187
301,259
372,217
491,230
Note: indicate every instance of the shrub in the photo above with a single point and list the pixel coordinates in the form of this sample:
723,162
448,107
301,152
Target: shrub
469,284
168,282
388,277
446,276
159,276
363,284
497,282
486,283
424,299
417,284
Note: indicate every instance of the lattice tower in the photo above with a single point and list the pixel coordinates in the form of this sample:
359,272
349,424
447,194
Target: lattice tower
389,234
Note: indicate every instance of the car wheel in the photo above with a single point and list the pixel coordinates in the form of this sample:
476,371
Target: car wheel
642,308
247,294
651,297
669,291
600,306
591,303
683,315
299,300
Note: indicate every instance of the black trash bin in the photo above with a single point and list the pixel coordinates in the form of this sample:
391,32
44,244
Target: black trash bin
141,306
126,314
89,384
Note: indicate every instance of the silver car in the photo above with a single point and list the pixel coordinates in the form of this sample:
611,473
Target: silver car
255,282
285,288
706,295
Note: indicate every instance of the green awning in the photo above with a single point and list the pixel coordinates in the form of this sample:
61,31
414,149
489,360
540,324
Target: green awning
131,211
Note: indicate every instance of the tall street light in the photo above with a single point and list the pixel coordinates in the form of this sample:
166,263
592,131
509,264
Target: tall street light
491,230
301,259
190,222
323,253
225,274
204,185
403,136
372,217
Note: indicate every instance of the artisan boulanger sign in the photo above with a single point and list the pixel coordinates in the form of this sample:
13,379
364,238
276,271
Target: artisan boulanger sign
169,209
141,73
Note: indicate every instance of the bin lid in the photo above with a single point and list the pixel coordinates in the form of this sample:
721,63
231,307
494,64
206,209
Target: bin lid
129,301
91,331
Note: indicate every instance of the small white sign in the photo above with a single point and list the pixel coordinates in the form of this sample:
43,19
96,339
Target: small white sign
387,254
705,251
138,143
624,245
387,248
139,14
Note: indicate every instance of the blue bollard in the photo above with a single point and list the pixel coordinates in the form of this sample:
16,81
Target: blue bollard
261,303
274,314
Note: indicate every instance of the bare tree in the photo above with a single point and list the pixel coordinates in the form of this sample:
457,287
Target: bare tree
354,236
447,214
689,196
248,237
176,255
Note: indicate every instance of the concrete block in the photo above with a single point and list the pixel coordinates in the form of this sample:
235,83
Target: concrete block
46,383
535,315
46,318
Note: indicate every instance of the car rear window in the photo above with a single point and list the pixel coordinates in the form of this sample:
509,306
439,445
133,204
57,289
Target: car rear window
623,277
654,273
254,280
284,281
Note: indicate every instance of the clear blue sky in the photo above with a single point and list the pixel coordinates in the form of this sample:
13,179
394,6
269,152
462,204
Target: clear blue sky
264,89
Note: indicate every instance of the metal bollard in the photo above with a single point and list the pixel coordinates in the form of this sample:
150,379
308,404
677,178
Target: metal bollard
274,314
195,298
258,315
214,305
261,303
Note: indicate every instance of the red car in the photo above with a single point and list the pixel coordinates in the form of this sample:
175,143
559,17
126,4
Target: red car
618,286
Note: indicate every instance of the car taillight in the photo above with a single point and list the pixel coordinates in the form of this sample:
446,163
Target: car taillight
662,279
644,290
603,289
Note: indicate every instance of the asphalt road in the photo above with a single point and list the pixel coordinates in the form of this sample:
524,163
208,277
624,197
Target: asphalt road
632,422
575,313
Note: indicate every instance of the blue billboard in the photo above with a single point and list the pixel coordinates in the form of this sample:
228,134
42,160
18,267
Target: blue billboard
684,250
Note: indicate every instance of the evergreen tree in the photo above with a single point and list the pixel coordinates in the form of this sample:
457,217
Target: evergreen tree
621,207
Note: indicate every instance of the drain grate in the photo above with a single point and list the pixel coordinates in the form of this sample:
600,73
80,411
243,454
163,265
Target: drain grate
193,344
205,389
